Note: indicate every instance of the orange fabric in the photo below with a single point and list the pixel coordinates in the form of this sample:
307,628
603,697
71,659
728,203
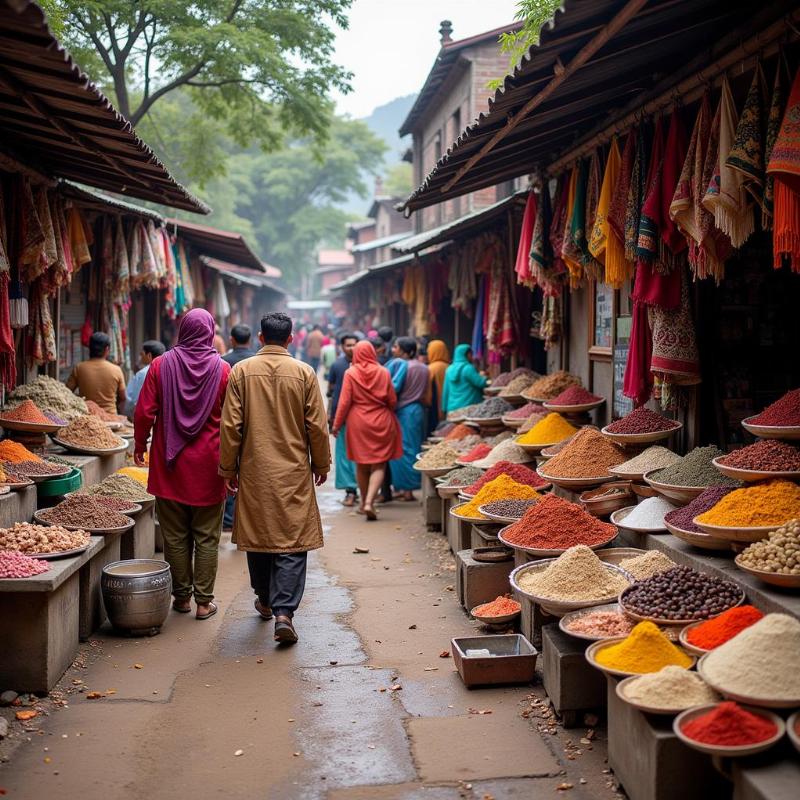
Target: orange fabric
438,362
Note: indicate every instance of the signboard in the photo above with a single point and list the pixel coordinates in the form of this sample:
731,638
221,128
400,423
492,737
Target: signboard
621,405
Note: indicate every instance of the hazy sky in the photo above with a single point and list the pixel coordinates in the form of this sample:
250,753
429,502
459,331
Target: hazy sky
391,44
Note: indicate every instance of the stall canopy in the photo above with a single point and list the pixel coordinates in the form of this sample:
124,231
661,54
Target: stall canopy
222,245
245,275
55,118
596,62
103,202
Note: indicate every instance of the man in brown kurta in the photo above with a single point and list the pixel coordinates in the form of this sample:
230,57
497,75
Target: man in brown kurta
274,448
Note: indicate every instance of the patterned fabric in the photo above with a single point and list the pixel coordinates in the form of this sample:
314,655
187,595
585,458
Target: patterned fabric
774,118
41,333
619,200
604,244
78,241
636,191
638,381
570,251
522,266
31,236
540,254
558,224
5,262
593,267
648,239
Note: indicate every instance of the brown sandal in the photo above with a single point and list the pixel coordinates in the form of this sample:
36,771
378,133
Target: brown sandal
181,609
265,612
212,610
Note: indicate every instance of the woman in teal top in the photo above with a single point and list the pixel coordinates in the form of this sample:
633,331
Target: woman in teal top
463,384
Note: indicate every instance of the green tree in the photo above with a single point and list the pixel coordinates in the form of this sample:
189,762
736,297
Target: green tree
398,180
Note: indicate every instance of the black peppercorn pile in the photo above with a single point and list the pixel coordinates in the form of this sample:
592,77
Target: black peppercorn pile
681,593
509,508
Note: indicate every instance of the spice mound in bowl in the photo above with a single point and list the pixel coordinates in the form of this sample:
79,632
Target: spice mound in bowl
501,488
601,624
683,518
504,378
654,457
766,455
500,607
778,553
588,454
645,649
672,687
461,476
511,509
26,411
642,420
519,472
760,505
86,511
51,396
507,450
647,564
526,411
122,486
784,412
549,430
574,396
517,386
648,515
17,565
89,432
31,539
695,469
714,632
549,386
438,457
729,725
491,408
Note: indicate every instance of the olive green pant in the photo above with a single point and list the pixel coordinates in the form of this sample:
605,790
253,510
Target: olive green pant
191,531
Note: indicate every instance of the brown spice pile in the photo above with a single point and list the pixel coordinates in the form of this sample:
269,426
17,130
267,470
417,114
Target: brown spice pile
97,411
84,511
89,432
550,386
27,538
588,455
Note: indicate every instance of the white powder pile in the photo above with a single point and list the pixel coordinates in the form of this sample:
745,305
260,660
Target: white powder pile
670,687
505,451
647,564
649,514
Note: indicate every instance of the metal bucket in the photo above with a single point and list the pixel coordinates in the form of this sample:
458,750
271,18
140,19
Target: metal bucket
136,594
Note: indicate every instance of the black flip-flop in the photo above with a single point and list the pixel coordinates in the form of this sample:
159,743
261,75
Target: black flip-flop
211,613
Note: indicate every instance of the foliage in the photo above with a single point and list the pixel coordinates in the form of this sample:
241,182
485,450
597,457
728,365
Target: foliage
534,14
398,181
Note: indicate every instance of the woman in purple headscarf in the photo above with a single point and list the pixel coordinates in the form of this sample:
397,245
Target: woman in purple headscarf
181,402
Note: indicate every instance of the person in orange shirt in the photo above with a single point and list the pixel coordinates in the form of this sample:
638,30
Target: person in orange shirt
98,379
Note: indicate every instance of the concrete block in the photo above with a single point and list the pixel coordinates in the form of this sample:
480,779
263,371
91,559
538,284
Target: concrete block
571,683
651,762
479,582
431,503
532,620
140,540
774,775
94,468
92,612
17,506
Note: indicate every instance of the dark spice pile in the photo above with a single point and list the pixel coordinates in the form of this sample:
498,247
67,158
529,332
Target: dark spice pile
682,517
518,472
768,455
784,411
85,511
642,420
523,412
695,469
504,378
25,468
508,508
681,593
574,396
493,407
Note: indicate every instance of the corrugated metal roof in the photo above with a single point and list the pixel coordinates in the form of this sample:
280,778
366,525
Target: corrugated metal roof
666,41
382,242
251,277
92,197
223,245
54,118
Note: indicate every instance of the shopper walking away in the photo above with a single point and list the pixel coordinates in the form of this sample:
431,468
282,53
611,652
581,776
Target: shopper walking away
274,449
463,384
385,334
367,406
314,347
98,379
241,347
438,362
181,402
150,349
345,468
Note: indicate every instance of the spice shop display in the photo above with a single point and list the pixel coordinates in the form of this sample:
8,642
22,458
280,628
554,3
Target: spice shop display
507,450
759,664
645,649
493,408
36,539
502,510
640,421
587,455
516,386
654,457
716,631
680,594
440,456
729,729
646,516
647,564
758,506
575,398
597,624
121,486
89,433
499,607
84,511
670,690
683,518
501,488
50,396
549,430
14,564
519,472
550,386
778,418
767,458
775,559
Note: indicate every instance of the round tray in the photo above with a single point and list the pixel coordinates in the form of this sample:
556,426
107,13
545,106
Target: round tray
672,622
640,438
683,494
727,750
625,682
446,492
574,409
558,608
773,578
498,518
540,400
575,483
493,390
501,620
793,702
614,555
643,490
434,472
42,478
474,520
145,504
19,485
701,540
792,725
749,475
587,637
537,553
484,422
686,644
627,476
61,554
31,427
512,423
135,509
94,531
599,506
92,451
618,518
754,534
771,431
593,649
492,554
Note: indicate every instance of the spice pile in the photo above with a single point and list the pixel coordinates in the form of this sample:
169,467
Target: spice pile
443,428
26,411
683,518
17,460
670,687
526,411
574,396
32,539
642,420
549,430
97,411
654,457
681,593
501,488
729,725
460,431
461,413
512,509
645,649
504,378
783,412
491,408
122,486
499,607
89,432
647,564
577,575
462,476
779,552
767,455
139,474
18,565
588,454
438,457
50,395
772,503
85,511
550,386
602,624
480,450
714,632
759,662
695,469
517,386
649,514
507,450
520,473
557,524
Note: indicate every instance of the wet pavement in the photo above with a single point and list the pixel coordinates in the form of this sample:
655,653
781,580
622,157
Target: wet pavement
362,707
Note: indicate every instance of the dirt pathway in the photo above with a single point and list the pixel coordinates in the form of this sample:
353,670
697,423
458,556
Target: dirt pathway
363,707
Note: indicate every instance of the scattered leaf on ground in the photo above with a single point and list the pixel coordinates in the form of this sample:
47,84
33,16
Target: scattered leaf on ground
395,688
26,714
361,550
412,627
94,695
563,787
444,654
138,666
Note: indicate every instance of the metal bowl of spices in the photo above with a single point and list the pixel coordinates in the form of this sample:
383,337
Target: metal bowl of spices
536,553
86,450
683,637
771,431
793,729
774,578
42,517
455,515
641,438
609,618
593,649
575,483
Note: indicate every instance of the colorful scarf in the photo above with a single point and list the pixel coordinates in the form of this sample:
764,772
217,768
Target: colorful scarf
591,265
638,381
559,221
648,240
523,263
78,240
573,226
5,261
539,255
774,118
621,266
604,244
636,192
31,235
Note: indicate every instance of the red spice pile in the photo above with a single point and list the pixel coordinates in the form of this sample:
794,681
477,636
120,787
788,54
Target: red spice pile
557,524
574,396
498,607
27,411
767,454
642,420
459,432
784,411
478,452
518,472
729,725
718,630
525,411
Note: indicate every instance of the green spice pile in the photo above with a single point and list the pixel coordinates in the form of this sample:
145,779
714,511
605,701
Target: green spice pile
49,395
695,469
463,476
117,485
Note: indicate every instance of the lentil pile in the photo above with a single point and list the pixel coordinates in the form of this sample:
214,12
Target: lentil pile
760,505
576,575
89,432
602,624
683,518
549,430
550,386
121,486
520,473
526,411
729,725
27,538
517,385
31,468
779,552
574,396
499,607
84,511
493,407
557,524
648,514
50,395
462,476
501,488
504,378
642,420
768,455
718,630
695,469
509,508
588,454
784,411
654,457
681,593
644,649
670,687
26,411
507,450
18,565
761,661
647,564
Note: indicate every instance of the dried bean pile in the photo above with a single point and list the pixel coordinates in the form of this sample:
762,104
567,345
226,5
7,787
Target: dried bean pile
27,538
81,510
779,552
681,593
784,411
89,432
18,565
508,508
682,517
642,420
26,468
768,455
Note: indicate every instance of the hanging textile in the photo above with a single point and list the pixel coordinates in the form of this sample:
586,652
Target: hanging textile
774,119
220,300
78,240
502,324
64,264
522,267
725,195
541,254
122,267
462,282
784,167
550,330
604,244
8,361
638,381
5,261
477,326
41,334
621,270
574,230
436,291
592,267
636,193
50,251
31,236
648,240
559,221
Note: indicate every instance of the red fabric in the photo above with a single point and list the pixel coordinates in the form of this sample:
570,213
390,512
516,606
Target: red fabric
193,478
653,288
523,266
674,156
8,361
638,381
